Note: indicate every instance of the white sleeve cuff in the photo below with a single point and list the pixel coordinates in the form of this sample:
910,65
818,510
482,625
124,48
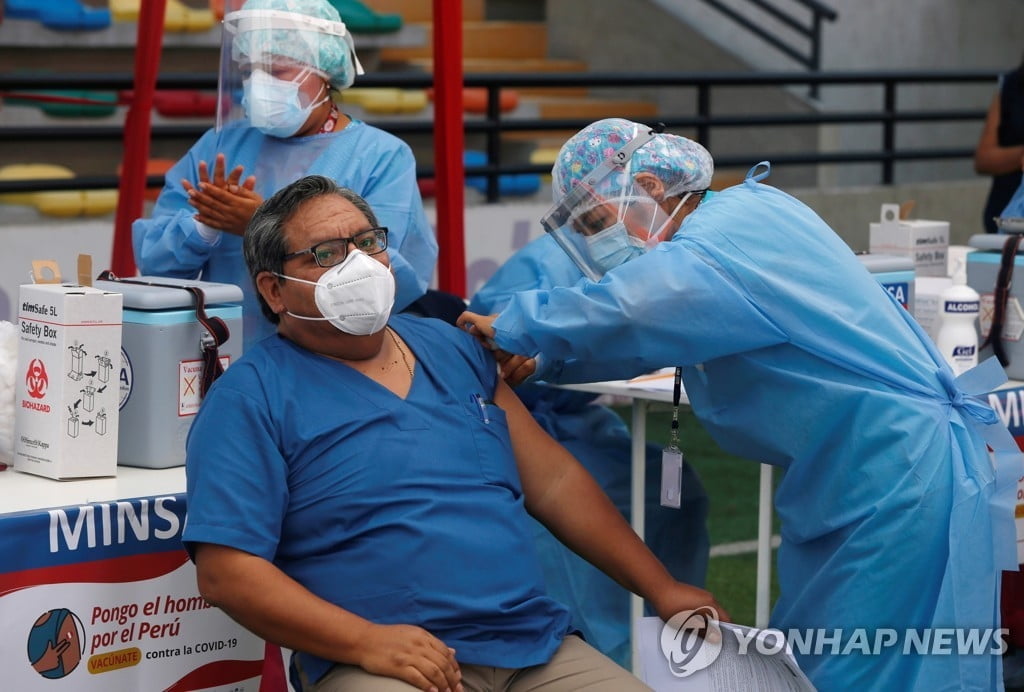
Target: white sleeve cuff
210,235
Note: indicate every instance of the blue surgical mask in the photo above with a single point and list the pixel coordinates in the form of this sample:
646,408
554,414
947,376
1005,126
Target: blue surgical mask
273,105
614,246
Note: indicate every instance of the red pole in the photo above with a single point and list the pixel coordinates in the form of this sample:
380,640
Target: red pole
132,187
448,146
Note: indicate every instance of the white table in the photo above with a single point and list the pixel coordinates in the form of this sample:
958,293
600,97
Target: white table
20,492
641,400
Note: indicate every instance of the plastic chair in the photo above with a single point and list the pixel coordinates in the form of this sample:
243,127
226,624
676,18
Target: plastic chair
30,171
546,156
60,15
178,17
511,185
64,203
474,99
360,19
386,101
427,187
185,103
180,103
70,110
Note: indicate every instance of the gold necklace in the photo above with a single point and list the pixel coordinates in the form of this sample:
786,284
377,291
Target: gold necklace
400,350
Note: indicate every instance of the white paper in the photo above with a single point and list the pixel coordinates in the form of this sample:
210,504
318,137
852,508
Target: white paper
752,670
660,381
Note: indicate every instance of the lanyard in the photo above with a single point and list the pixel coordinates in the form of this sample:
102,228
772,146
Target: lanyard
672,456
677,387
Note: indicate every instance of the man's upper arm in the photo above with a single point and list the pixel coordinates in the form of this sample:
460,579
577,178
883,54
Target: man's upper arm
540,459
237,480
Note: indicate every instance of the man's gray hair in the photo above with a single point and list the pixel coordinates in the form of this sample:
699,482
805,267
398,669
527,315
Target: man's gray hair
264,244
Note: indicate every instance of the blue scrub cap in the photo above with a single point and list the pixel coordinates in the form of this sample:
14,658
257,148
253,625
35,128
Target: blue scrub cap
681,164
320,40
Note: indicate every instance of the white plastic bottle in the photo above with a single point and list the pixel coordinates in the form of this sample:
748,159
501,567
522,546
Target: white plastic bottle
957,338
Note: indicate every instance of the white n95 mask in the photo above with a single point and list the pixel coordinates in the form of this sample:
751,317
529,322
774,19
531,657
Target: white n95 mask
355,296
614,246
274,106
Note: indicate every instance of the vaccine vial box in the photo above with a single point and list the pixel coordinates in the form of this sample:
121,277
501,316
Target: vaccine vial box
160,363
982,274
66,421
924,242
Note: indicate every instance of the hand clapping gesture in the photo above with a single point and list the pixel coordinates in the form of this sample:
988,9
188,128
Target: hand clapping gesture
225,202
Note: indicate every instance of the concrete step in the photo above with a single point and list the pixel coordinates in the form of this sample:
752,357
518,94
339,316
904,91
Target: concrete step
423,10
502,40
592,108
477,65
485,65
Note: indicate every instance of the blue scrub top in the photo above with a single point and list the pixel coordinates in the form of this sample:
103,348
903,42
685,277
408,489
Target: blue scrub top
401,511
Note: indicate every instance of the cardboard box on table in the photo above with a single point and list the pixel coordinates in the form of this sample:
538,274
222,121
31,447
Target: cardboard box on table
66,424
161,363
925,242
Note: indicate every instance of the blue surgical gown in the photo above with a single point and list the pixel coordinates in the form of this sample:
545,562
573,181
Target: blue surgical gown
374,164
893,515
598,438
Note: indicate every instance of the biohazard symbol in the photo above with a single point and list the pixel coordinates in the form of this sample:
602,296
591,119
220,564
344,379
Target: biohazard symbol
36,380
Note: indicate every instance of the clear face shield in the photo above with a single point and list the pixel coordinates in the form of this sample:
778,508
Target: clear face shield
275,67
601,223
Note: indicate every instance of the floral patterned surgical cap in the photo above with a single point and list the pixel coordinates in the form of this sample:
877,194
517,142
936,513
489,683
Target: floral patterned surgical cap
680,163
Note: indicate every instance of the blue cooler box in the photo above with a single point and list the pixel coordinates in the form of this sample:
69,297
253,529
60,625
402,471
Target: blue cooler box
895,273
161,364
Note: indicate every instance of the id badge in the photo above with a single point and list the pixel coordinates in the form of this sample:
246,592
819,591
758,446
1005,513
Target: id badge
671,477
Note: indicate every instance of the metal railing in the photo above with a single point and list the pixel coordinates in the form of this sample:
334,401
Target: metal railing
703,121
809,55
819,13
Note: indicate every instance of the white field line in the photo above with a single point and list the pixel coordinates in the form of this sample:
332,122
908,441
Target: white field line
740,547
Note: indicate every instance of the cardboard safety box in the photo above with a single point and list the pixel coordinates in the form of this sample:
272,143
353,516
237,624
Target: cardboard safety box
925,242
161,365
66,425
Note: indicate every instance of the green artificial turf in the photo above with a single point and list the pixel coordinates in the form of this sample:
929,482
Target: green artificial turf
732,487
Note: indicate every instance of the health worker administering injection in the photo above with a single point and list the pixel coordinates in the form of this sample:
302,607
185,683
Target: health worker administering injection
894,516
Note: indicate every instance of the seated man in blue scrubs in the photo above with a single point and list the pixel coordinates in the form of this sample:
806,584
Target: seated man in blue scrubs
359,484
599,439
286,58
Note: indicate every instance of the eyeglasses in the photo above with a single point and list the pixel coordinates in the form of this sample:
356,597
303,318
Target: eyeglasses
333,252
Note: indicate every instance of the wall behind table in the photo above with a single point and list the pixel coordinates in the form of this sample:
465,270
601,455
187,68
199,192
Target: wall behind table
493,233
849,210
51,239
